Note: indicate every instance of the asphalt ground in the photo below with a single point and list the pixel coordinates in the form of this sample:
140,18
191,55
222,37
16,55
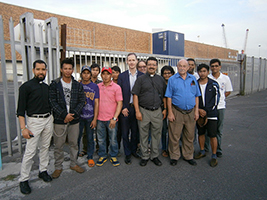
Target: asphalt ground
240,174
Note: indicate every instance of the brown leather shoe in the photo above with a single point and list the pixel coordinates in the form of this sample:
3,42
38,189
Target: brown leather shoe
56,173
77,168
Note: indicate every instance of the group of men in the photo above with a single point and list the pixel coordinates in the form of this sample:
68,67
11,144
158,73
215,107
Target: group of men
138,101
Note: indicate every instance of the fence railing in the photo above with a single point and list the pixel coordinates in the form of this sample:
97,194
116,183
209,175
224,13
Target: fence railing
41,40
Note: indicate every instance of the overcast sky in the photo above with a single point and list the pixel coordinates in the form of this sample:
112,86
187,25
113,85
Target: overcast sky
199,20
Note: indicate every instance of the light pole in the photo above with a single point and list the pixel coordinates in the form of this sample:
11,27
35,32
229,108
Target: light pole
259,50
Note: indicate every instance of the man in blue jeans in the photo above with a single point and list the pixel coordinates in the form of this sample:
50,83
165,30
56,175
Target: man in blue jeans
110,104
89,113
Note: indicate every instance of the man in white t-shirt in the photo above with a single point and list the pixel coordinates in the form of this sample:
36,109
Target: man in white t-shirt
225,90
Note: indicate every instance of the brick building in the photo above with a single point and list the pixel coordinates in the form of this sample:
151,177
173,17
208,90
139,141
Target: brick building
92,35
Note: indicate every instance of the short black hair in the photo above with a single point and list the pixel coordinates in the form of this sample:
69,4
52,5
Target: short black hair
94,65
39,62
152,58
129,54
191,59
116,69
67,61
214,60
167,67
201,66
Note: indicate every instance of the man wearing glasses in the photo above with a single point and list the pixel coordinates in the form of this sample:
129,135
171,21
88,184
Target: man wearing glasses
225,90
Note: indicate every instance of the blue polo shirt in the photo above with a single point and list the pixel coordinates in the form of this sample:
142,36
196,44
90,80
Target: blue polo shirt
183,92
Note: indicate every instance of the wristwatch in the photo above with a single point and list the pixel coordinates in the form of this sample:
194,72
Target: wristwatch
115,119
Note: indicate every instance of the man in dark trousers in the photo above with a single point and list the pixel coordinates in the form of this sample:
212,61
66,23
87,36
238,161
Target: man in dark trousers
127,117
33,101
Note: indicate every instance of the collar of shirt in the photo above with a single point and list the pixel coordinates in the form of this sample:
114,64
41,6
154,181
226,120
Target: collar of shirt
130,74
177,75
111,83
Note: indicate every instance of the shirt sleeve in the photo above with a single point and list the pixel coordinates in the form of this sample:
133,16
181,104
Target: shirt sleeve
198,93
118,94
137,86
96,92
22,101
168,92
228,85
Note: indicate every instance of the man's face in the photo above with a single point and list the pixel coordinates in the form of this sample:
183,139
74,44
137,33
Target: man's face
142,67
167,74
215,67
106,76
115,75
95,71
86,75
152,66
66,70
39,71
192,66
132,61
182,67
203,73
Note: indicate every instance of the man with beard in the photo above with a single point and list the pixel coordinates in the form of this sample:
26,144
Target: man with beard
33,101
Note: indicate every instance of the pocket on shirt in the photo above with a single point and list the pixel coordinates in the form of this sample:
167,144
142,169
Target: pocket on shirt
193,89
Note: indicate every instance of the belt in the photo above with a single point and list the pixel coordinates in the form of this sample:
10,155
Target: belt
151,109
181,110
40,115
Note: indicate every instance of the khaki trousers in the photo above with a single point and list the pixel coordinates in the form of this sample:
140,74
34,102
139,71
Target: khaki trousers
183,123
42,128
151,120
61,132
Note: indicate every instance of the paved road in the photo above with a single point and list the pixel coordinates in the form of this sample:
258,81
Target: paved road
240,174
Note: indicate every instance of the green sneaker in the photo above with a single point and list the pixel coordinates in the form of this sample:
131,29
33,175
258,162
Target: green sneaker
114,161
101,161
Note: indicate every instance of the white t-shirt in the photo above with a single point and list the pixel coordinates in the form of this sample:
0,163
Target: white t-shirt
67,93
196,75
225,86
203,89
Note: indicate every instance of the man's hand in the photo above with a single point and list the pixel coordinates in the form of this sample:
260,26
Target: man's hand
202,112
112,123
26,133
196,115
164,113
138,116
171,117
69,118
93,124
125,112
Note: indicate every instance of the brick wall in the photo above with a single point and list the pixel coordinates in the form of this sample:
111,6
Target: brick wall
107,37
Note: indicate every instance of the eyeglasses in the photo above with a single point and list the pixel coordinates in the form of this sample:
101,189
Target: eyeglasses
167,73
143,67
214,66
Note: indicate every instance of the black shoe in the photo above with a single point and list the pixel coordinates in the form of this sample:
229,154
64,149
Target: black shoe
143,162
173,162
127,160
135,155
24,187
191,162
219,154
44,175
156,161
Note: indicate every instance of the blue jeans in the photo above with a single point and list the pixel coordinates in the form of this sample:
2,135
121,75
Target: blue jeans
102,130
85,123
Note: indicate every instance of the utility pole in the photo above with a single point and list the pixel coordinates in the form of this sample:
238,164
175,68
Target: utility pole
224,36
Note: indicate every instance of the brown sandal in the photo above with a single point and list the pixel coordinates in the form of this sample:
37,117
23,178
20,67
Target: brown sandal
82,154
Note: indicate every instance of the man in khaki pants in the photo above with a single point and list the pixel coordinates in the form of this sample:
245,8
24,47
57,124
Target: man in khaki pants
33,101
182,99
67,99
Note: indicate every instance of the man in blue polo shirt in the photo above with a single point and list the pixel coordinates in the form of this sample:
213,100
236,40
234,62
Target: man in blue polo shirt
182,100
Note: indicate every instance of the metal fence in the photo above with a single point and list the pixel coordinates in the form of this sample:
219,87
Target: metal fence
41,40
